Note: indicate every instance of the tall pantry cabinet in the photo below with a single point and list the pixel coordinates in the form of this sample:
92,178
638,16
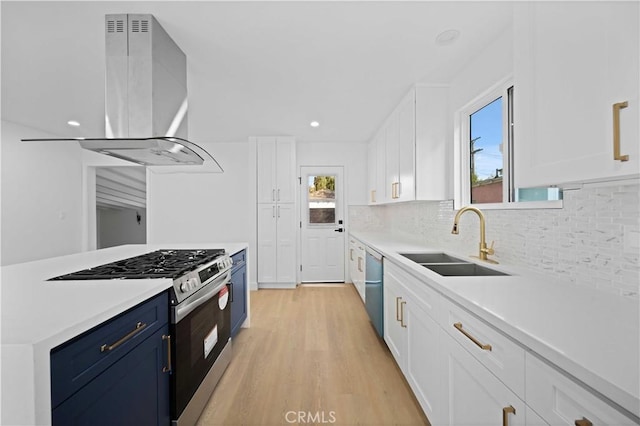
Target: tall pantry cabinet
276,201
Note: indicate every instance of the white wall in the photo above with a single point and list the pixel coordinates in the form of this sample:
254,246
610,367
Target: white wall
202,207
41,196
493,64
199,207
120,226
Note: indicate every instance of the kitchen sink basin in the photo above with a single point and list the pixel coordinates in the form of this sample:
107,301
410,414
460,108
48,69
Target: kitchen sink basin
423,258
462,270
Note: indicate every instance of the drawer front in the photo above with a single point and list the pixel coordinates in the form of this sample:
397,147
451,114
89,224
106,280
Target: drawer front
240,257
561,401
77,362
503,357
428,298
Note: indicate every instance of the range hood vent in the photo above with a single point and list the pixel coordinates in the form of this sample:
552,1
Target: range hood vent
146,99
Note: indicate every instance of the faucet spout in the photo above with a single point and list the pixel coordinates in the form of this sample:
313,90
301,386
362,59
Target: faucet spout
484,250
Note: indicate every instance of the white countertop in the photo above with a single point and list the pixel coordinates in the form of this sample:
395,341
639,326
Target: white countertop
38,315
590,334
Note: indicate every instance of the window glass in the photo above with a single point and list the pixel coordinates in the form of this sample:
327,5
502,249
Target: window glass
322,200
485,149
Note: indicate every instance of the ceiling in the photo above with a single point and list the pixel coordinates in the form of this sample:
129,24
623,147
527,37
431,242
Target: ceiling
254,68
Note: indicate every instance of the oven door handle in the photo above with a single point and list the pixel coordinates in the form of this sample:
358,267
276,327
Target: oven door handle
204,295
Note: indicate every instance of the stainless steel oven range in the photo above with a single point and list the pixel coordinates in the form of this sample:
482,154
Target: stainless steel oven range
200,318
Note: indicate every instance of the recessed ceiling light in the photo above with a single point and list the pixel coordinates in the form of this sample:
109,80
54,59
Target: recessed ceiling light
447,37
73,123
314,124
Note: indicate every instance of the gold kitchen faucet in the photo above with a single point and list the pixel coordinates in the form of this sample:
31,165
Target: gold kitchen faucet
484,250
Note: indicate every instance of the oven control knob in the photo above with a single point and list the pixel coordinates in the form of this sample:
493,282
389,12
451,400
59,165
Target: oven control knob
193,283
184,287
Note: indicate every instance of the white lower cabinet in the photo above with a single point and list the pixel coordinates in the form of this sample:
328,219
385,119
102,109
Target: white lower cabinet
276,245
499,354
394,334
533,419
357,258
466,372
561,401
474,396
423,359
412,336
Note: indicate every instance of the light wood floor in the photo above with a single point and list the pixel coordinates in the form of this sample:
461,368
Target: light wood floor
311,350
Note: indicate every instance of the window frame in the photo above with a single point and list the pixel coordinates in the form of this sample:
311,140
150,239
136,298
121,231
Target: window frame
461,151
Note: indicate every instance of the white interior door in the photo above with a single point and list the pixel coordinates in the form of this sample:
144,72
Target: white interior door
322,222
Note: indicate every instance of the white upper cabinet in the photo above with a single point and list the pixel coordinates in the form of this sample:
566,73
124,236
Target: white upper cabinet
572,63
276,170
406,187
411,150
372,170
432,154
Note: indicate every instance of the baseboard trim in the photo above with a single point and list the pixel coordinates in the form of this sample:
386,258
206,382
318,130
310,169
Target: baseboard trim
276,285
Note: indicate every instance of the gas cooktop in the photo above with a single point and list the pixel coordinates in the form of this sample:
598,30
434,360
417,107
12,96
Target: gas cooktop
156,264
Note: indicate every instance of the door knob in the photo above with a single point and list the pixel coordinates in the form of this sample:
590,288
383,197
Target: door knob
339,230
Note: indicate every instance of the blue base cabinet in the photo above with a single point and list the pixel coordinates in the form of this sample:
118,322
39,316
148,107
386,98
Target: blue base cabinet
116,373
238,292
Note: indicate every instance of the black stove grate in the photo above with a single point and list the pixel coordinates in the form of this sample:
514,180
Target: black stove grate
157,264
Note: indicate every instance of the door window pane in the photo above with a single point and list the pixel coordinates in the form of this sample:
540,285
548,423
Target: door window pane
486,161
322,200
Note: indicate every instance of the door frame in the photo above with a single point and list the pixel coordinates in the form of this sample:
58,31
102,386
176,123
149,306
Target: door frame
341,199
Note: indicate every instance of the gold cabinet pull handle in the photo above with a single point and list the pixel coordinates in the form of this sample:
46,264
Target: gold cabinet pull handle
616,131
398,309
350,254
483,346
139,327
167,369
402,324
505,414
583,422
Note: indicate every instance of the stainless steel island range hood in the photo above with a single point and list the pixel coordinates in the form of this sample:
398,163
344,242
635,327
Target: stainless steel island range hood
146,99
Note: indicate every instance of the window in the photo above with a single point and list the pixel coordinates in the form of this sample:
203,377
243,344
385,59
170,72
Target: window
485,176
322,200
486,163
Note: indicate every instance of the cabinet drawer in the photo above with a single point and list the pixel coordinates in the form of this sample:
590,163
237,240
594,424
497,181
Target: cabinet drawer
239,259
428,298
561,401
76,362
132,391
498,353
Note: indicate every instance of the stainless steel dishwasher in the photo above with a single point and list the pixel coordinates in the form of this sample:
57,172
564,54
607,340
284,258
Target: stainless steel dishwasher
373,289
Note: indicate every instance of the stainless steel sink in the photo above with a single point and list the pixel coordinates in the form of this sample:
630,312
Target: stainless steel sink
424,258
462,270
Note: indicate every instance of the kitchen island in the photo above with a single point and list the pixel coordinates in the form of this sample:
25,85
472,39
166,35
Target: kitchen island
38,315
586,334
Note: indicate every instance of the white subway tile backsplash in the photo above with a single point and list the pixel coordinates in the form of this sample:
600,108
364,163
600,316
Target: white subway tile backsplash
593,240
